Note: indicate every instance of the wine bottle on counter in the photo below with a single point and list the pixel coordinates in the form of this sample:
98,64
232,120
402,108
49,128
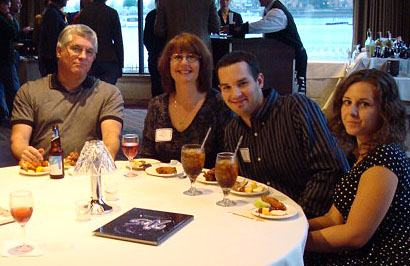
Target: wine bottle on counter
388,46
378,46
369,44
301,86
56,155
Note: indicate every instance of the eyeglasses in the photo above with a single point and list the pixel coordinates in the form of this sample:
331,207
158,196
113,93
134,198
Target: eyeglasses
191,58
77,50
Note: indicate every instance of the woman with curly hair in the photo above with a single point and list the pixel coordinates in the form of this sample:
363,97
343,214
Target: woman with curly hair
369,221
189,107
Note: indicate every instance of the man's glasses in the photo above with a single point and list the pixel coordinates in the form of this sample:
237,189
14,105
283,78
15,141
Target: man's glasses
77,50
191,58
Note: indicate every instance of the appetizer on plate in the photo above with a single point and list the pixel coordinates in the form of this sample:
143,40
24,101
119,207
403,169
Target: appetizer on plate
270,206
71,160
248,187
166,170
140,164
34,167
210,175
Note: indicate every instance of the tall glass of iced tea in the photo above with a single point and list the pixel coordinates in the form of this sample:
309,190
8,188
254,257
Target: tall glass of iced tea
226,171
193,160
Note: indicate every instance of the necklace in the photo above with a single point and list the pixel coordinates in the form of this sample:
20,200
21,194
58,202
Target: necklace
181,116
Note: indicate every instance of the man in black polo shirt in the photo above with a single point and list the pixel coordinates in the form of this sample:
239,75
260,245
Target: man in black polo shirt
277,23
286,143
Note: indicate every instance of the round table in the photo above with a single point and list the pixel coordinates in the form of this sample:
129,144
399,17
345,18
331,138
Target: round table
214,237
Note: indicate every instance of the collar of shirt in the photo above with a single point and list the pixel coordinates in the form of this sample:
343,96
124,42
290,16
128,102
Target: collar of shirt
55,84
267,8
270,96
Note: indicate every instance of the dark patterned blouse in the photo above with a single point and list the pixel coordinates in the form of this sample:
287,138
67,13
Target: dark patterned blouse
213,113
390,244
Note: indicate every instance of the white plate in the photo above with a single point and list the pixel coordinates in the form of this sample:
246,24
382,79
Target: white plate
68,166
290,212
147,160
202,179
239,193
22,172
151,170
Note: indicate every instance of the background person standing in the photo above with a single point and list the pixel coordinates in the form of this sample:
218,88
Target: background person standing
277,23
196,17
105,21
52,23
154,45
9,81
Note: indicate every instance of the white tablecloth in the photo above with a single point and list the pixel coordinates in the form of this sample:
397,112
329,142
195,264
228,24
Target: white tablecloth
329,85
322,78
214,237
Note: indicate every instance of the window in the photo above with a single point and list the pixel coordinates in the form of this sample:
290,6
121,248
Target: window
325,26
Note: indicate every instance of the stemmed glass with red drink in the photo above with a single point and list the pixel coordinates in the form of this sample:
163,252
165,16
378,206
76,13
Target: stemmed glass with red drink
130,150
193,160
226,172
21,208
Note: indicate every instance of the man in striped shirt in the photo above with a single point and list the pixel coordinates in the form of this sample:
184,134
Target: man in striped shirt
286,143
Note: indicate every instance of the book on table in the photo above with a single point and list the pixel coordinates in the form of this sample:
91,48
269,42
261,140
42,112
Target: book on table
144,226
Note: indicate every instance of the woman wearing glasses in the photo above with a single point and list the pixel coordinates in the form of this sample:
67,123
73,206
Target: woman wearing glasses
369,221
189,107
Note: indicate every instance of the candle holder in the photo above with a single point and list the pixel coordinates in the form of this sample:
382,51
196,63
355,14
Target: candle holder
95,160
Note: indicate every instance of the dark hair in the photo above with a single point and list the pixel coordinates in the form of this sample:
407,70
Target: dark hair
394,120
186,42
240,56
5,1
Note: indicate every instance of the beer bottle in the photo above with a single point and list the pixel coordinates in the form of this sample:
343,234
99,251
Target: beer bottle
56,155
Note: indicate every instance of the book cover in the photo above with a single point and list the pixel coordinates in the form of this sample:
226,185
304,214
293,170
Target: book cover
144,226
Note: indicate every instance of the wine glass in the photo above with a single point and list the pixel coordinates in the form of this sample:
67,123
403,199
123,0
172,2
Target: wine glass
226,171
193,160
21,208
130,149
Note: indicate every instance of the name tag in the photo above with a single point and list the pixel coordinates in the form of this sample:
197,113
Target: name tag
163,134
245,155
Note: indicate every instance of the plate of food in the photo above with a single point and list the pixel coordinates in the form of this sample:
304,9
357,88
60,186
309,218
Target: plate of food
143,163
71,160
245,187
270,208
34,168
165,170
208,177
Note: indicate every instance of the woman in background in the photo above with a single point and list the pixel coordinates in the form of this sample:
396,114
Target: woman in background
368,223
189,107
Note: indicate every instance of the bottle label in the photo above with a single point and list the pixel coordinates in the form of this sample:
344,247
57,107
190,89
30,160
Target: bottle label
56,165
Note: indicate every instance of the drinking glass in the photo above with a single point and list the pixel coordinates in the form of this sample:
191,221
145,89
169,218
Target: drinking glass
226,171
130,149
21,208
193,160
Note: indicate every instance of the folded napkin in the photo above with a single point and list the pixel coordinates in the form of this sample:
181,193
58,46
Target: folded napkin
10,250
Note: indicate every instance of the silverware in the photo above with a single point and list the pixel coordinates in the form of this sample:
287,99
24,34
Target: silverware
247,216
182,175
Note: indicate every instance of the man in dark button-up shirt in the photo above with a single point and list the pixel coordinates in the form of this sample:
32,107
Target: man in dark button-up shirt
286,142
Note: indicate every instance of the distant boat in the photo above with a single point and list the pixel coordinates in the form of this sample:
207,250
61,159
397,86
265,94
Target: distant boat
337,23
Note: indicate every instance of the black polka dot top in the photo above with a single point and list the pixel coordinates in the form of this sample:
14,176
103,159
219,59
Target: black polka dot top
390,244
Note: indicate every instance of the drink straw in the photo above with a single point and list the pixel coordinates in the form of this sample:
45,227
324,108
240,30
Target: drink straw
239,143
206,136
